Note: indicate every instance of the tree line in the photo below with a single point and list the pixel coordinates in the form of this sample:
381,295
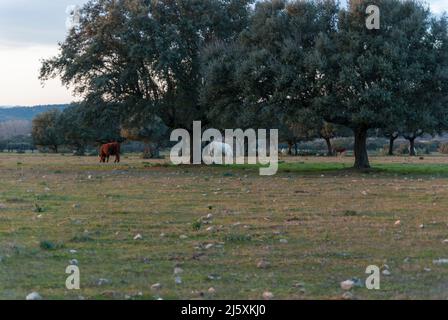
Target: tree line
305,67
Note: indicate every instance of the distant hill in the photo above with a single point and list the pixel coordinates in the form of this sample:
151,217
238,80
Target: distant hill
26,113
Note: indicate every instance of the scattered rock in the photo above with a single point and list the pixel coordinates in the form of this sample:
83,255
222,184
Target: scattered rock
156,286
427,269
72,251
263,264
211,290
209,216
397,223
210,229
364,193
386,272
138,237
178,270
209,246
34,296
440,261
213,277
268,295
73,262
283,241
162,235
89,177
347,285
422,226
298,285
178,280
102,281
445,241
183,237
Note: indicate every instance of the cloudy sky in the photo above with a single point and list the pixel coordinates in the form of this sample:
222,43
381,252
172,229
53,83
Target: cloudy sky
29,32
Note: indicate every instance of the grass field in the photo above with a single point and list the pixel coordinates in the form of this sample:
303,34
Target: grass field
315,224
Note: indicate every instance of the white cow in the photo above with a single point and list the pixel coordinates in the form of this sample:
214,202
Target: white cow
217,148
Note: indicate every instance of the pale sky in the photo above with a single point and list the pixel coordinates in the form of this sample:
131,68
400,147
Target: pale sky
29,32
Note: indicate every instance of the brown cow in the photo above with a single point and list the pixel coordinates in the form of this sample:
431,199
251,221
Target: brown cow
339,151
110,149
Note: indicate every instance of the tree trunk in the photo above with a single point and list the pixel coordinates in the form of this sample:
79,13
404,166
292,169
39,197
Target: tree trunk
147,154
296,150
412,147
391,145
361,156
329,147
289,148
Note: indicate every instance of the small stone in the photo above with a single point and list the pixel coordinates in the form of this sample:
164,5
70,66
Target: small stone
268,295
445,241
422,226
263,264
183,237
347,296
178,270
209,216
47,189
210,229
138,237
347,285
283,241
440,261
102,281
89,177
156,286
73,262
209,246
214,277
386,272
178,280
162,235
211,290
364,193
72,251
427,269
397,223
34,296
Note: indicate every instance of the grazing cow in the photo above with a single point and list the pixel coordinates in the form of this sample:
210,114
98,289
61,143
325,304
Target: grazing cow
339,151
110,149
217,147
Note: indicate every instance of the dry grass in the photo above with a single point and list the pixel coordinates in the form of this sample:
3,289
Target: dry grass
336,223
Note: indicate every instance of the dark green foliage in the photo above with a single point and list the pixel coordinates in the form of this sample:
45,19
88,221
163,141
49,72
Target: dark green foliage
145,65
46,131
